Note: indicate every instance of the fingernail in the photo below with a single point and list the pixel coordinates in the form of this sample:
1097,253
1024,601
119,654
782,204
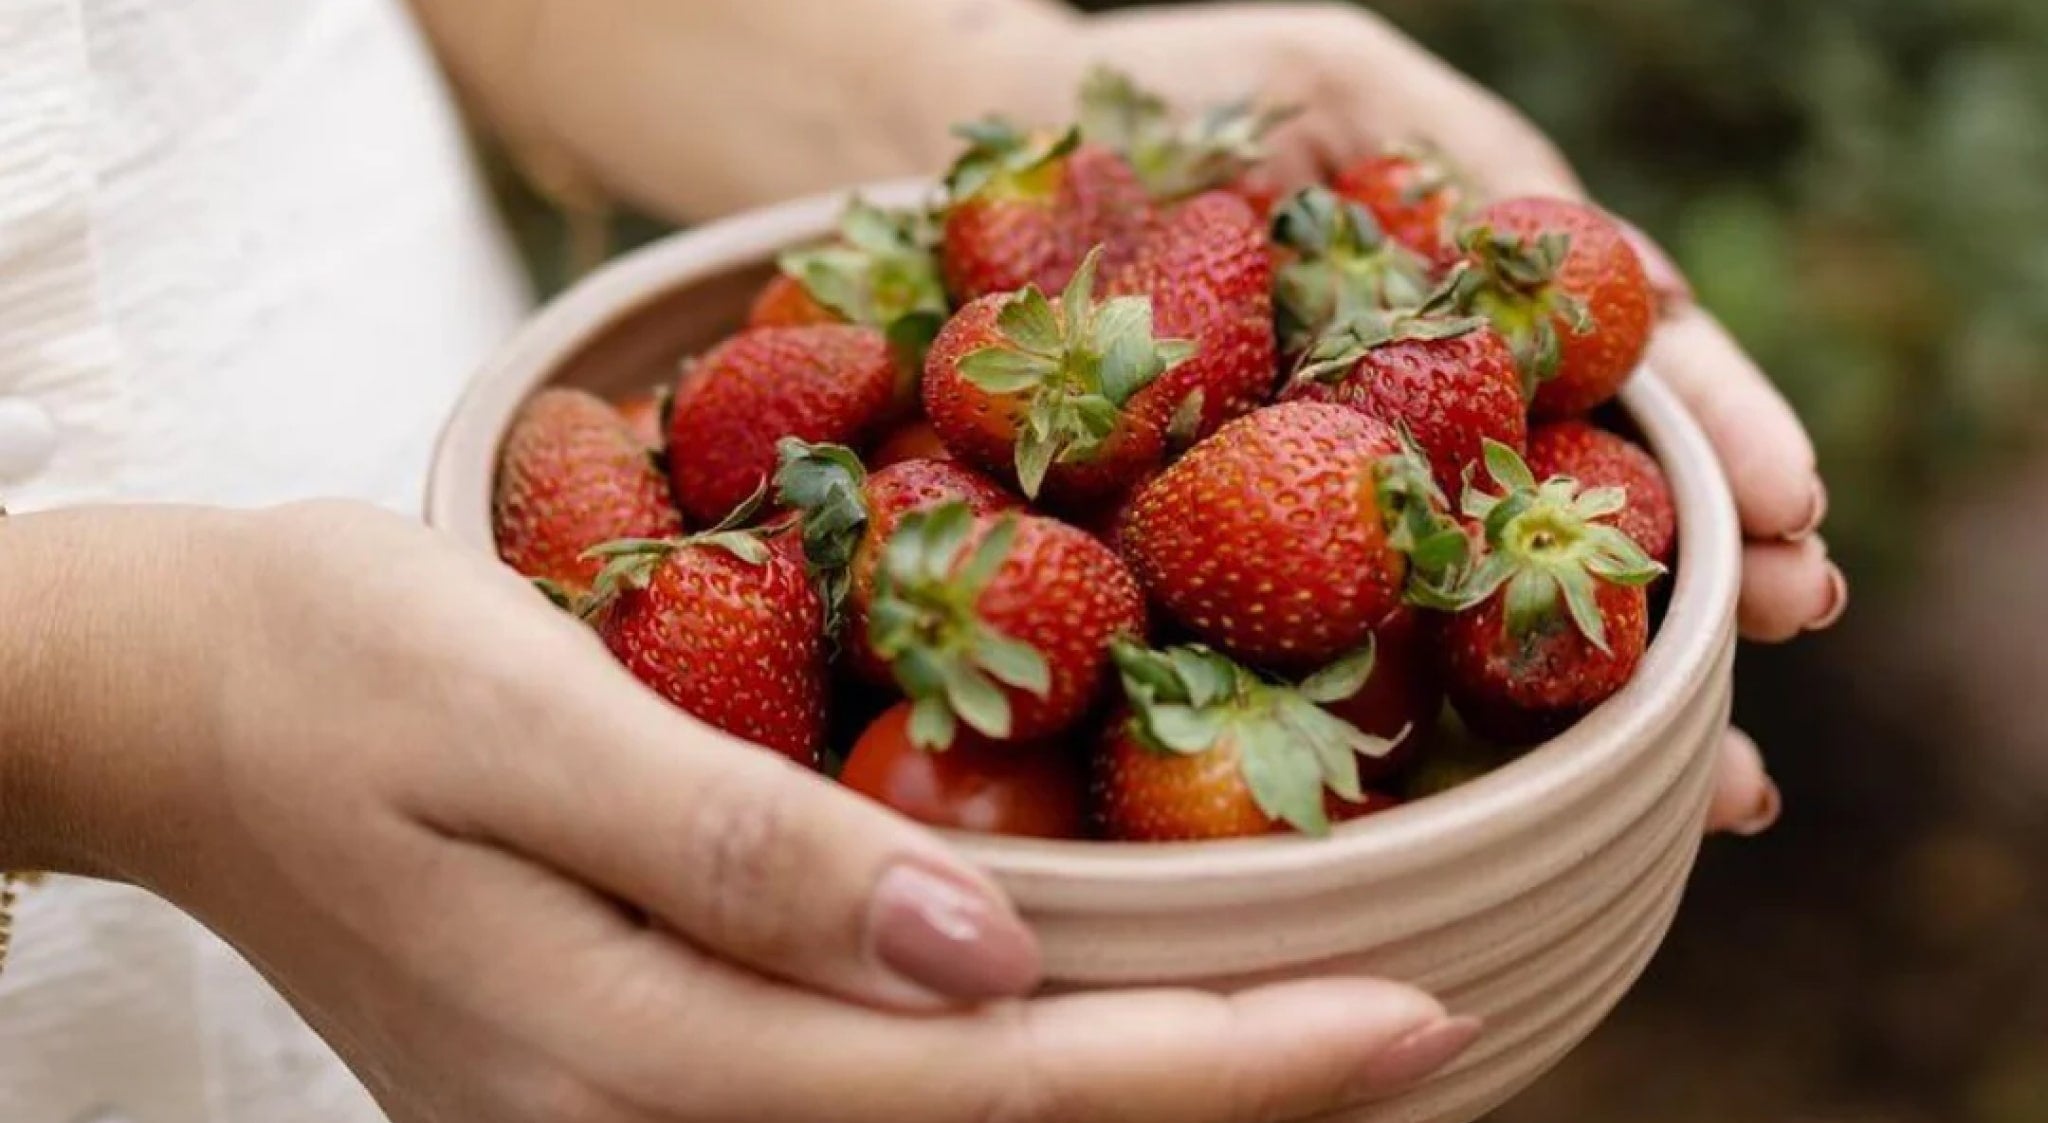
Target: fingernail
1837,603
1764,816
1670,285
949,938
1816,513
1417,1055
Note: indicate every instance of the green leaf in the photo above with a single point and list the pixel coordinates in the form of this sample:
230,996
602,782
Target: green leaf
1028,320
1531,601
910,337
931,724
1185,426
1343,678
1079,297
1207,677
1184,729
1600,502
1284,777
744,545
1491,573
1579,598
945,529
976,700
1035,454
1012,662
1000,370
1506,467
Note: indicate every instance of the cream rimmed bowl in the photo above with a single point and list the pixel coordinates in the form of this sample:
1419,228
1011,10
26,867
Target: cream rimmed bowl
1532,897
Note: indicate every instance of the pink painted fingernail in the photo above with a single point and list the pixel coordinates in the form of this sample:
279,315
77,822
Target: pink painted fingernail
1764,816
1666,280
1837,602
950,938
1816,513
1417,1055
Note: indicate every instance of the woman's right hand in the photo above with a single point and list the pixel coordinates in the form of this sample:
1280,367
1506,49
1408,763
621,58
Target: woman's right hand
509,884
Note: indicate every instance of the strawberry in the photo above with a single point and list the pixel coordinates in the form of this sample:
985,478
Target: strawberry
573,475
1450,382
1286,536
1554,618
1561,283
1206,749
724,625
1061,395
879,270
1338,267
1402,697
1025,209
913,440
1413,195
848,515
972,784
825,382
646,414
1206,267
999,622
1597,458
1221,149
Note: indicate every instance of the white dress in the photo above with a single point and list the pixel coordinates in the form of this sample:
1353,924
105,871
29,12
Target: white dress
243,259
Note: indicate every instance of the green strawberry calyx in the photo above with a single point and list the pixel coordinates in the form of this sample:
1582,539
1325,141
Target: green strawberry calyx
1192,699
1175,158
1076,364
825,483
925,620
1006,160
1511,280
630,563
1547,544
1344,268
881,270
1419,525
1338,351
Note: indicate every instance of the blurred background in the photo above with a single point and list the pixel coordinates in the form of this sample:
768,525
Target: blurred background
1860,188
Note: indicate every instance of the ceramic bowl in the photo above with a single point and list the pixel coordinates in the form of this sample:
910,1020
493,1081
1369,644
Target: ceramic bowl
1532,897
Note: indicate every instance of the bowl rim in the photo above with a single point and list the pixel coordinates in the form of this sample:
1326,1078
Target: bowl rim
1697,630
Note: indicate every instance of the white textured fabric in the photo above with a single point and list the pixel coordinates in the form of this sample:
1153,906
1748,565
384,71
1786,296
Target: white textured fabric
243,259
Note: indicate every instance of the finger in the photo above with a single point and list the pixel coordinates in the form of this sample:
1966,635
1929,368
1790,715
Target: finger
1763,447
1789,588
746,855
1745,800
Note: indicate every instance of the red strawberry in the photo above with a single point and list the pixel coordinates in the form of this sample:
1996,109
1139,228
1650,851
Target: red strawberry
1002,622
826,382
879,269
914,440
1338,268
1450,382
1597,458
1218,149
1206,267
1555,618
1025,210
1561,283
726,627
849,514
646,414
1413,196
1206,749
1064,396
573,475
1286,536
973,784
1402,696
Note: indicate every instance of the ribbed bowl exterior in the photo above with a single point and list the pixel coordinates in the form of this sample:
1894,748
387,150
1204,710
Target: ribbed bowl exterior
1532,897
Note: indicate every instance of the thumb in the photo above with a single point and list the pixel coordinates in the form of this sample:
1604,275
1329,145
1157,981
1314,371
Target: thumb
751,858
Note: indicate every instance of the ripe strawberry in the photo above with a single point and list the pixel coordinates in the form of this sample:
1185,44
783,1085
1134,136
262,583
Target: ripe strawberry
973,784
1002,622
848,515
1206,267
573,475
1064,396
913,440
1597,458
1339,267
646,414
1450,382
1555,618
1413,195
825,382
1219,149
1286,536
1402,697
1206,749
1561,283
1026,209
726,627
879,269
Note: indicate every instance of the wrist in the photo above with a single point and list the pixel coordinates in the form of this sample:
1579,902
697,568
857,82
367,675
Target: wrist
109,667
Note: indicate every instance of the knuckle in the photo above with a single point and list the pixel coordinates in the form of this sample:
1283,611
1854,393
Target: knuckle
1030,1089
744,855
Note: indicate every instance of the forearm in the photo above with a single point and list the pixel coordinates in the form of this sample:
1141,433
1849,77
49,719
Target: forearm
696,107
103,681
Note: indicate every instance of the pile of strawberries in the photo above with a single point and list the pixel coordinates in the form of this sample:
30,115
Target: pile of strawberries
1114,498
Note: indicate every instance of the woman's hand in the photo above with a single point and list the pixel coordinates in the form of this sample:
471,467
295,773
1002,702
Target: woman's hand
1361,83
508,884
